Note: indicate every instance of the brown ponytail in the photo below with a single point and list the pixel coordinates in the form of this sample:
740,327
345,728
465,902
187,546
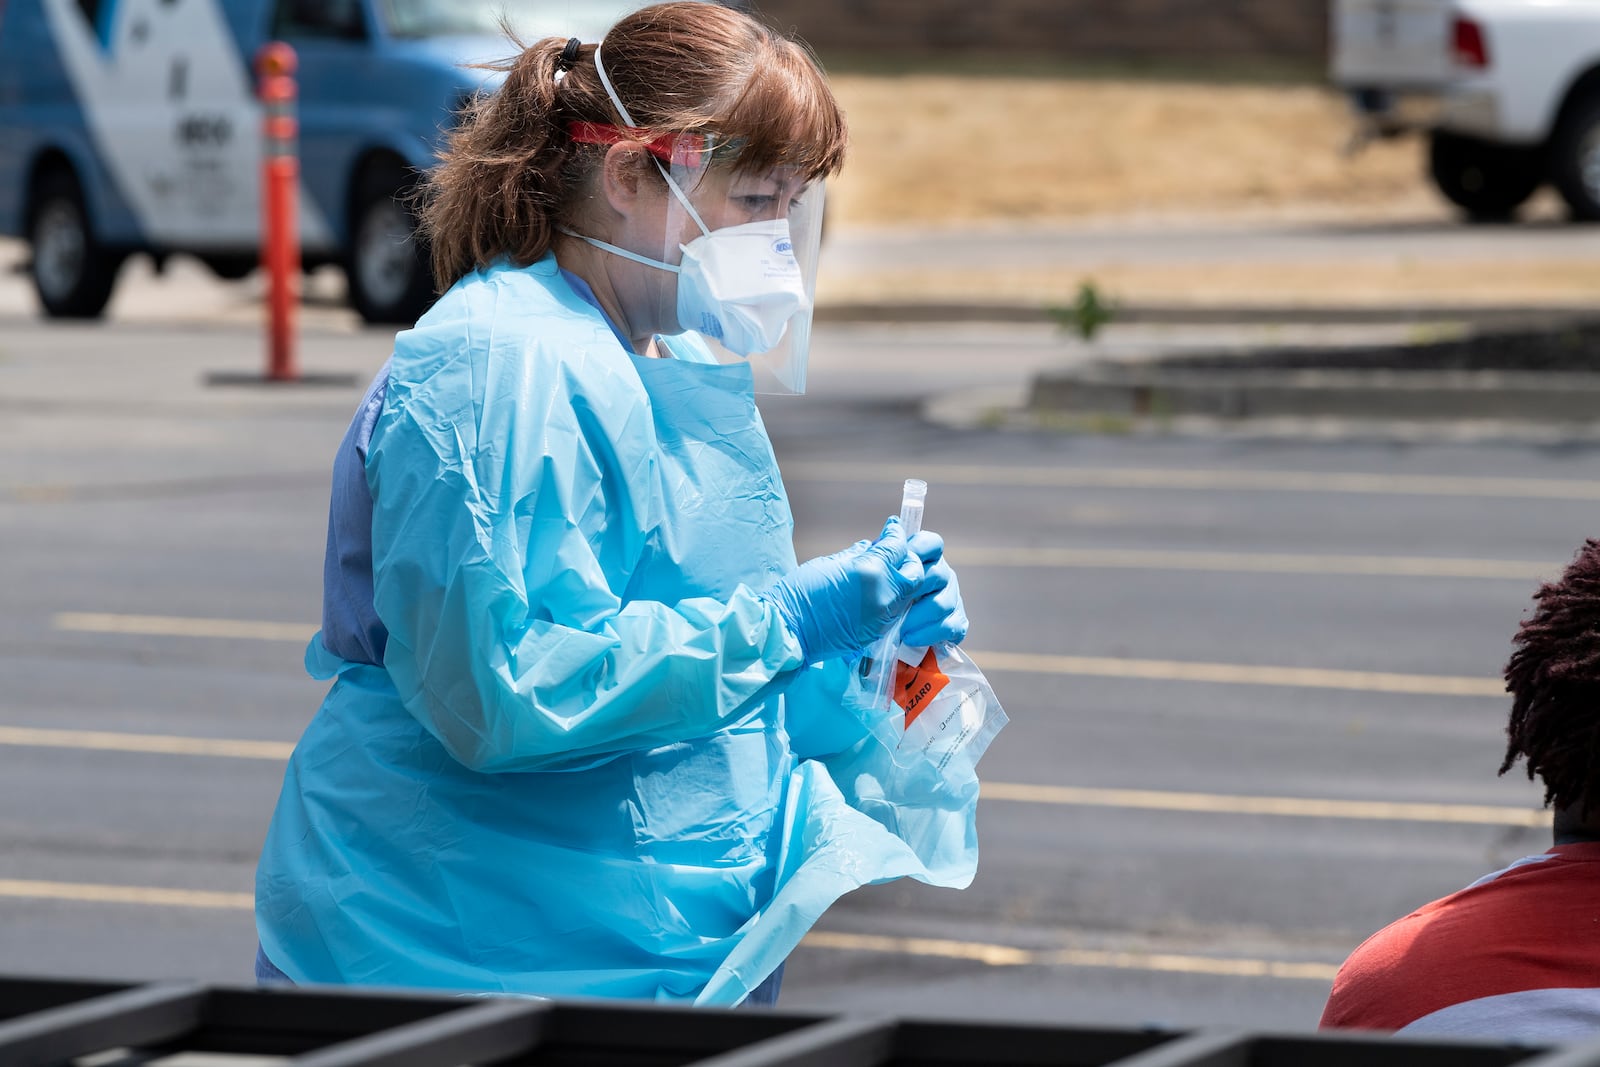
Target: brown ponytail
499,187
509,173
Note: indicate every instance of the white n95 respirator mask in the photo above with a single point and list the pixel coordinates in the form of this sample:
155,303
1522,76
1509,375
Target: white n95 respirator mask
741,285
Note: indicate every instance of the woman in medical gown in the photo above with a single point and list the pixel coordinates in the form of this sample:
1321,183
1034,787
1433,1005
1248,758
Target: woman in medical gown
591,730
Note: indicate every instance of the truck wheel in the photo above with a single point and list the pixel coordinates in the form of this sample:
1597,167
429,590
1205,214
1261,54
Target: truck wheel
388,273
1575,160
1489,181
72,273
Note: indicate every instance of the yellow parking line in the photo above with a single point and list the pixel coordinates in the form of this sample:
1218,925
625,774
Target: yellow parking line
1088,666
1257,563
161,744
176,626
993,955
19,889
1069,796
1299,807
1012,477
1007,956
1241,674
39,494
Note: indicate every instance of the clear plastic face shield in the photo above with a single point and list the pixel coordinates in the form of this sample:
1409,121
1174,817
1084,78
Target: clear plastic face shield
739,257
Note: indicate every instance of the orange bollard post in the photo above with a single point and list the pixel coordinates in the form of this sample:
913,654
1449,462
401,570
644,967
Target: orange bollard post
280,230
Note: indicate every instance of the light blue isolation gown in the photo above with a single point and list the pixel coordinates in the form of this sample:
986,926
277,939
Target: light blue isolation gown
591,762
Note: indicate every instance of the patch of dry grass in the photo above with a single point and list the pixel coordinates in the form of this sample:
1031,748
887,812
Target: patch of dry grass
930,149
1530,284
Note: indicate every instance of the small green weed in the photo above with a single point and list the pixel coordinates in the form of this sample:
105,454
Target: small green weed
1088,313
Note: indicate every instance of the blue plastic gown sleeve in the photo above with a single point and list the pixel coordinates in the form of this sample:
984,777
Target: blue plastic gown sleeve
824,713
513,498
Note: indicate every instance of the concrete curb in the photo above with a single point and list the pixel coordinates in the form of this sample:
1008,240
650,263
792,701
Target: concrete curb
1163,392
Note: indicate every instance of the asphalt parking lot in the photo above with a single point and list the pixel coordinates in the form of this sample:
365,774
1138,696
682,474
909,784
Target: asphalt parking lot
1251,679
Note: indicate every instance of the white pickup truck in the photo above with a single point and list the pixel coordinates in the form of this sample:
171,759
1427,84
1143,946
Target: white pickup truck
1507,92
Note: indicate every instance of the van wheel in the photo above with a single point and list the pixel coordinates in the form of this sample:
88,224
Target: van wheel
72,273
1575,160
387,269
1489,181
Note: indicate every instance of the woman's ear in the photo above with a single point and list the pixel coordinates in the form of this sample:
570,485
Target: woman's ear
621,177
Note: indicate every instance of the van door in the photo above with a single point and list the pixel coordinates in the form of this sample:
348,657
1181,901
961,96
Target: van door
171,108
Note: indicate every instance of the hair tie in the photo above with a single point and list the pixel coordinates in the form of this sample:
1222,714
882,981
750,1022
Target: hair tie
569,56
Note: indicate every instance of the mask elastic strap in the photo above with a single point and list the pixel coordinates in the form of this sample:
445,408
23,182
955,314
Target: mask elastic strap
627,119
600,69
623,252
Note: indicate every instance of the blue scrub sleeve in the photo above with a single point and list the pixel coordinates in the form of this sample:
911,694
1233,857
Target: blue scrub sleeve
503,534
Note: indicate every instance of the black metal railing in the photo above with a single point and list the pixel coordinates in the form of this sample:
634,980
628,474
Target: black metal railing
54,1023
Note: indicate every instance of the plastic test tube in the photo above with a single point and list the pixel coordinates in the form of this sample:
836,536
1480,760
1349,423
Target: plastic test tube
911,501
886,651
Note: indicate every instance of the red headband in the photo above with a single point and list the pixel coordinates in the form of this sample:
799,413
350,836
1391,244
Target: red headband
678,149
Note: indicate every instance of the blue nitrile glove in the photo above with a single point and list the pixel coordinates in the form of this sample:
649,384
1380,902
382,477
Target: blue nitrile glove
937,616
839,604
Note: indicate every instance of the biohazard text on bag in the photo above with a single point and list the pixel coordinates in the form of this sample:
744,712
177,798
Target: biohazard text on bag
950,710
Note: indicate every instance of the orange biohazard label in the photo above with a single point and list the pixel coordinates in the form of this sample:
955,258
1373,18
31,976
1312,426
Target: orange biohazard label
916,686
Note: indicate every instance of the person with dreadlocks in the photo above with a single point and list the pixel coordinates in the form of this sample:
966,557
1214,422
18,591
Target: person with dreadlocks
1515,955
